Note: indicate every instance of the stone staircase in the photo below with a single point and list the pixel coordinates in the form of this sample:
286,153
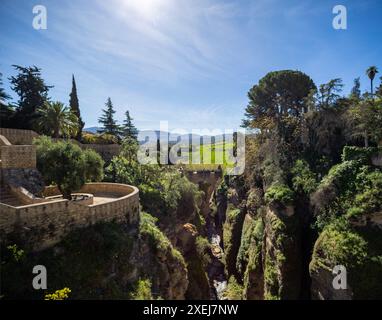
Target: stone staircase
7,198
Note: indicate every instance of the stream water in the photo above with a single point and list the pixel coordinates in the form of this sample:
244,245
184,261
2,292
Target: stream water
216,271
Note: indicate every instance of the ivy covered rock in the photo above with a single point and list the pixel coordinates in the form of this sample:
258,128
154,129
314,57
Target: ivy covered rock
359,250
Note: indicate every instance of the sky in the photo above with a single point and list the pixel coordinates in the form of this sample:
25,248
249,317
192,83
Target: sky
190,63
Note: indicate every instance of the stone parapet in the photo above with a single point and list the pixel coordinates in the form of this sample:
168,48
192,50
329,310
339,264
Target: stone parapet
18,156
45,224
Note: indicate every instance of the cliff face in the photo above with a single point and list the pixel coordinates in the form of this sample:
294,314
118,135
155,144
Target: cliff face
105,261
232,237
250,258
281,254
263,247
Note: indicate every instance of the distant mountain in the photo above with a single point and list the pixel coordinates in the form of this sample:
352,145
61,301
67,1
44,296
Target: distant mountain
172,137
92,129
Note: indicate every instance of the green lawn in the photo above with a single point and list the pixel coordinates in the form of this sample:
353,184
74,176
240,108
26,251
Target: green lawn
210,157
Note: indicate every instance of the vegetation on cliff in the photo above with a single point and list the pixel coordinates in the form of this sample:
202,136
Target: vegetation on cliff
312,160
124,265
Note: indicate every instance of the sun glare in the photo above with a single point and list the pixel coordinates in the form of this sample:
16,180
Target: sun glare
148,9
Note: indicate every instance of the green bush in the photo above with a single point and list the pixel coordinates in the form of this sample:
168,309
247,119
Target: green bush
142,290
279,193
163,190
234,290
358,249
304,180
252,232
156,238
203,248
357,153
94,166
271,281
104,138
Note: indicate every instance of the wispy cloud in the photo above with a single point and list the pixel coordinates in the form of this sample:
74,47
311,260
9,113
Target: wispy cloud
189,62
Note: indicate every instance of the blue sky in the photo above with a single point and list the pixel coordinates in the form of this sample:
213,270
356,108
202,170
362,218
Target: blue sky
188,62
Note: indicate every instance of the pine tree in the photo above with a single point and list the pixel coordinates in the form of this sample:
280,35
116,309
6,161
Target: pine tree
109,125
75,108
379,89
356,91
128,128
33,93
6,110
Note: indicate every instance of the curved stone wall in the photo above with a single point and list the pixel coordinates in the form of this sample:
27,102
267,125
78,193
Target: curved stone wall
44,224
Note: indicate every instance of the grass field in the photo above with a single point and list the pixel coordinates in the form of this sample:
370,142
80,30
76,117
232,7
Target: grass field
210,157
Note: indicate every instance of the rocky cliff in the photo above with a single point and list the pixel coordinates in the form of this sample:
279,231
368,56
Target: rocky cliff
105,261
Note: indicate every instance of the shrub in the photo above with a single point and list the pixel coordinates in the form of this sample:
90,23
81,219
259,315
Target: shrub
59,294
94,165
163,190
304,180
104,138
156,238
341,245
356,153
279,193
203,248
142,290
15,252
252,233
234,290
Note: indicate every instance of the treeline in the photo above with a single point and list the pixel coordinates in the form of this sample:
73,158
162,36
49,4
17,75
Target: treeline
295,118
35,110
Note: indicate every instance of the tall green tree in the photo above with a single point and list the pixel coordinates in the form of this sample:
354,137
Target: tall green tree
329,93
379,89
67,165
371,73
3,95
278,96
56,120
366,118
75,108
128,128
356,90
109,124
6,109
32,92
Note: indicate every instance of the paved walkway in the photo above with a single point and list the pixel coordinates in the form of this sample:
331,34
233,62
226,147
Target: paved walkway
103,199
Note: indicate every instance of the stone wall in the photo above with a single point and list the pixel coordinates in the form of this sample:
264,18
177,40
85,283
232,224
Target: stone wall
106,151
25,137
18,136
44,224
18,156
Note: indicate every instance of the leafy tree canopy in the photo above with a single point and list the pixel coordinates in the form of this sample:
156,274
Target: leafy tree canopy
66,165
278,95
32,92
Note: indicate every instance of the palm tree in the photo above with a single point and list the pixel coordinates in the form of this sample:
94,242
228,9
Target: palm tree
371,72
55,119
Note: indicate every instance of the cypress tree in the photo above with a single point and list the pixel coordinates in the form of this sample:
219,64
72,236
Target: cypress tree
75,108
